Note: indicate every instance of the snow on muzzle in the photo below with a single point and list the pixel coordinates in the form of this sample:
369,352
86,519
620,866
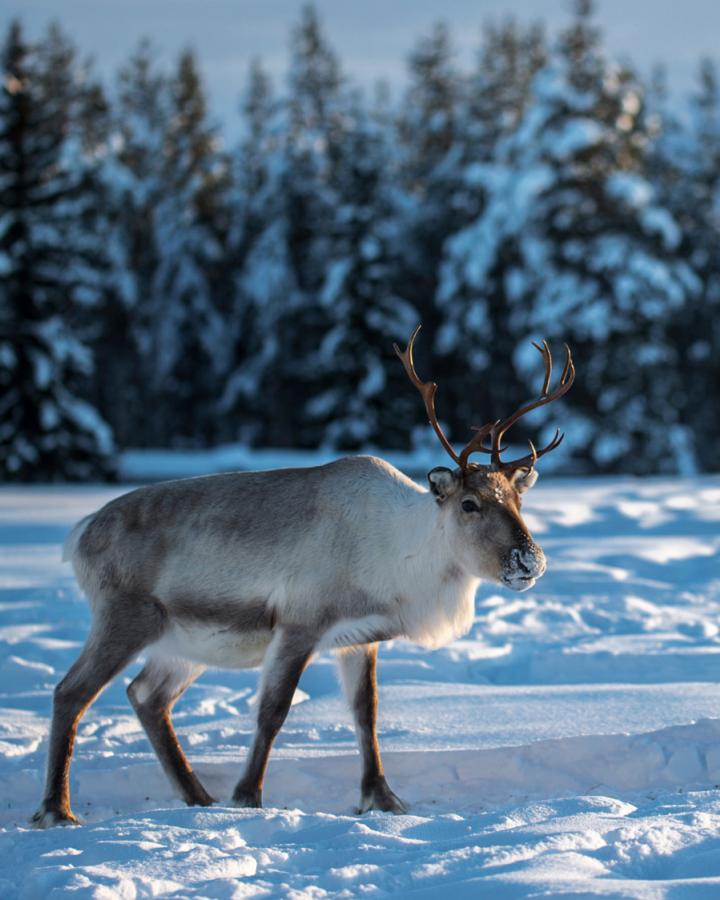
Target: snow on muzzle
522,567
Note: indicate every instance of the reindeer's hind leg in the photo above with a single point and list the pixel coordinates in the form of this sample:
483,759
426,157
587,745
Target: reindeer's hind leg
357,669
153,694
123,626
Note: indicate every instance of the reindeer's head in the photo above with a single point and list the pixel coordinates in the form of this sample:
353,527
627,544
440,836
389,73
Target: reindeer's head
482,503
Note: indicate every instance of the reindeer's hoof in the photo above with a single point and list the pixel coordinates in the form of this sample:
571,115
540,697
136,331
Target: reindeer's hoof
200,798
47,818
380,797
201,801
247,799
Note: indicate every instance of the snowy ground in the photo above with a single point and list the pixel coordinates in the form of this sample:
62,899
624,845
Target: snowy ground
569,746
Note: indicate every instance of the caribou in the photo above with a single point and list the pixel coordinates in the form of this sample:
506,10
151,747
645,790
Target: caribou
265,569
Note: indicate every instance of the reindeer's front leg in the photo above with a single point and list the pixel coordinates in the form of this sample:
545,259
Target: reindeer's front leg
286,657
357,668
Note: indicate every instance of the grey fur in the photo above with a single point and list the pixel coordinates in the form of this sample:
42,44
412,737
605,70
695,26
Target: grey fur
254,568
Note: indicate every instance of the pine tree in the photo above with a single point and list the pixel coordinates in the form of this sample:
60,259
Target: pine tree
475,339
687,169
190,341
364,401
313,138
51,266
263,278
545,193
431,139
428,124
167,180
575,238
133,188
107,323
510,56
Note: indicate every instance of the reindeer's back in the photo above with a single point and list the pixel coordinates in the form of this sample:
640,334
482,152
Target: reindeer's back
234,534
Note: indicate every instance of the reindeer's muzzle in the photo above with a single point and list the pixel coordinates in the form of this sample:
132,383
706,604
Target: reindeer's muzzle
522,567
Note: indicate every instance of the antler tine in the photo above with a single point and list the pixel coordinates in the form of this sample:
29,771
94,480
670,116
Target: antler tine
569,367
494,430
528,462
475,444
427,391
566,381
496,438
533,454
547,356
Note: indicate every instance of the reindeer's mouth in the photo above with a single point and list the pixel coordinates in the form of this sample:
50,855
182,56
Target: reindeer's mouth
518,582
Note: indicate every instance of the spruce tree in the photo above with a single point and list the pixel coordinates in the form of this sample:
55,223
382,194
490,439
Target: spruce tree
365,401
190,340
133,185
51,266
107,323
167,180
430,133
497,90
687,158
475,339
313,138
578,242
263,280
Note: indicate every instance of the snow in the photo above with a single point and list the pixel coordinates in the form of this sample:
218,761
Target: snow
569,745
576,135
631,188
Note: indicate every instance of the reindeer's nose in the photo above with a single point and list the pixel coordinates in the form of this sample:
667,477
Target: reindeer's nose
523,565
529,560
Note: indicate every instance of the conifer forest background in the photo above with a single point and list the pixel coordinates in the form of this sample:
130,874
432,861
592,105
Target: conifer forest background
160,287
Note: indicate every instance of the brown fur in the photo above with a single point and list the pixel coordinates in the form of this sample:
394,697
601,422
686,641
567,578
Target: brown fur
152,694
358,668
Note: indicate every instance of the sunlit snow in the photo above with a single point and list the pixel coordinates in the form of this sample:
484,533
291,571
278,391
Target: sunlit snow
570,743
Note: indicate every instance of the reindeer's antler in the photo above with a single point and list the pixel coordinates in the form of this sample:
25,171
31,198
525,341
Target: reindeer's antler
427,391
566,381
494,430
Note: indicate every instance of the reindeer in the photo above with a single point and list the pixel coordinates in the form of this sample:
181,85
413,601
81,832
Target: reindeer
266,568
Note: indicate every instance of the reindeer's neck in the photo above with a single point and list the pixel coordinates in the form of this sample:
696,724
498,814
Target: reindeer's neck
438,596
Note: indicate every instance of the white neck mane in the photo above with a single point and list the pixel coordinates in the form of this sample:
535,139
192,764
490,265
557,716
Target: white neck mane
436,598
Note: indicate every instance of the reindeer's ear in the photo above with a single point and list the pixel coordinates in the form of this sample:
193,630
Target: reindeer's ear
523,479
443,482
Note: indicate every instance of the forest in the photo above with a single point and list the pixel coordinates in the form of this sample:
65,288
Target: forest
161,286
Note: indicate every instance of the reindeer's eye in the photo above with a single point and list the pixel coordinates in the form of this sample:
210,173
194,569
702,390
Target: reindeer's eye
470,506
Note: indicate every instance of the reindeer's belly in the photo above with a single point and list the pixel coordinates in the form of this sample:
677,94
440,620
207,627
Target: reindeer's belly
214,645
